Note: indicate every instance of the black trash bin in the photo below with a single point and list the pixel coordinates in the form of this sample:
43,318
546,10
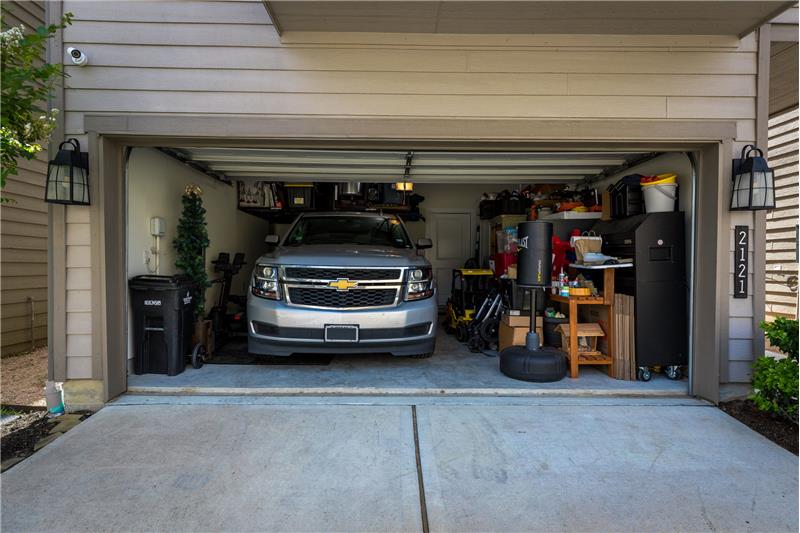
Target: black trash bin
163,323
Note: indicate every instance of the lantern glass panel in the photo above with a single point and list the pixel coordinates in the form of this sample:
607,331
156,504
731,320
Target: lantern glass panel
741,191
759,190
80,189
59,183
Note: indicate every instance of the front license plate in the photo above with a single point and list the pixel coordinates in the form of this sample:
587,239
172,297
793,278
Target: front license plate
341,333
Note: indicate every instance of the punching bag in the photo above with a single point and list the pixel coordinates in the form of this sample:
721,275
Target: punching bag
534,265
535,253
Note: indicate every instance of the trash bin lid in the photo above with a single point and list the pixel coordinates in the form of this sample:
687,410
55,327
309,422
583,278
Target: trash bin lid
162,283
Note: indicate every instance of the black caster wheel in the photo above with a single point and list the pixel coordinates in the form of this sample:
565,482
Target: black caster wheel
489,330
673,372
461,333
644,374
198,356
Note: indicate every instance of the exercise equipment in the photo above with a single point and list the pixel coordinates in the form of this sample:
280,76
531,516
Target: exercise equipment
227,324
469,287
532,362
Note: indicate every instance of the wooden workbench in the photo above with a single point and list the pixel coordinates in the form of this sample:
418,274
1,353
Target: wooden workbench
606,299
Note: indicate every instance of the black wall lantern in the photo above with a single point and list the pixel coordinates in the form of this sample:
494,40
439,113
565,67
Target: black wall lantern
753,182
68,175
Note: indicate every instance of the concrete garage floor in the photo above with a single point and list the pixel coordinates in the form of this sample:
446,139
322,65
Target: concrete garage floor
227,463
453,369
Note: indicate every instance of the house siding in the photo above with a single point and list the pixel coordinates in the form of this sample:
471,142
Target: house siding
782,222
23,230
226,58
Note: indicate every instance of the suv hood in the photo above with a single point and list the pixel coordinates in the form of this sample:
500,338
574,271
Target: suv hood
345,255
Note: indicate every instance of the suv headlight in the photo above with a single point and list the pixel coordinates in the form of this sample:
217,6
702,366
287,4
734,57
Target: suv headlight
420,283
265,282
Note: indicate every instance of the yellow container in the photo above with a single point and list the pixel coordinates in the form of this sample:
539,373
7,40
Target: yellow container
663,179
580,291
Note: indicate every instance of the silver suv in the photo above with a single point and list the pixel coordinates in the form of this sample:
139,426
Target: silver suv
343,283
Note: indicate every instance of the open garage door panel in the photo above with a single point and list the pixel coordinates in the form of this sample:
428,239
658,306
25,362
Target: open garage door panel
253,164
452,183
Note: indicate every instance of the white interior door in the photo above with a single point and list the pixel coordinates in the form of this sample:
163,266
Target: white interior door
453,234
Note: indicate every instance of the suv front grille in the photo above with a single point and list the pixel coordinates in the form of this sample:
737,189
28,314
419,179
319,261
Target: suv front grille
332,274
319,297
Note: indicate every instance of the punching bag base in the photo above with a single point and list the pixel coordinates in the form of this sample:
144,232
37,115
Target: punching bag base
544,365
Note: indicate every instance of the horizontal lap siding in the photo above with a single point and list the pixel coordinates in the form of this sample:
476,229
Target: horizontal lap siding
23,233
781,266
211,57
226,58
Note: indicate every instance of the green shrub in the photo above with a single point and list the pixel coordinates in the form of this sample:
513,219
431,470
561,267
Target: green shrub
782,334
775,381
775,386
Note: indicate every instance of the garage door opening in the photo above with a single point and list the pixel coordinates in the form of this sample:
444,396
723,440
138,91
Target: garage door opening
468,204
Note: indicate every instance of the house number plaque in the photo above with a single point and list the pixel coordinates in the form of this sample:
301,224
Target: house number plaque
741,247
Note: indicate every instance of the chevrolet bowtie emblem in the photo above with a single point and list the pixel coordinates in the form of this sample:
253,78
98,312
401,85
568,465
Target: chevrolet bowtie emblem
342,284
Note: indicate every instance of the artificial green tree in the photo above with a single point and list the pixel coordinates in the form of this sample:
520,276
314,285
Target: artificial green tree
191,243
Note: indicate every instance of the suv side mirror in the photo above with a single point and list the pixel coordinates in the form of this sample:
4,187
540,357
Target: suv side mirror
423,244
272,240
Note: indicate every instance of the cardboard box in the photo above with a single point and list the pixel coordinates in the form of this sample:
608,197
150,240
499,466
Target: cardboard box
512,271
521,321
598,314
514,329
510,336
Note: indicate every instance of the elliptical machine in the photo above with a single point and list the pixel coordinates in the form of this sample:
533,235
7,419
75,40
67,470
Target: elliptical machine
228,324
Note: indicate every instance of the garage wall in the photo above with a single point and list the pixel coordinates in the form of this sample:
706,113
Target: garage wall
449,196
226,58
155,185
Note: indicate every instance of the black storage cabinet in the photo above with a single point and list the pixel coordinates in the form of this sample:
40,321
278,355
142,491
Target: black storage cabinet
657,281
163,320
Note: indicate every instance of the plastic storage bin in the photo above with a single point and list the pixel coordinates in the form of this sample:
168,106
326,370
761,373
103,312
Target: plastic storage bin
299,195
163,323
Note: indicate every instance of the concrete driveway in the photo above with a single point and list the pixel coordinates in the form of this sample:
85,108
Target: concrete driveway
404,464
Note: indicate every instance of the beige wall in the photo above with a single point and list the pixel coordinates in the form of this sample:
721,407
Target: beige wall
225,58
450,196
156,183
23,230
781,223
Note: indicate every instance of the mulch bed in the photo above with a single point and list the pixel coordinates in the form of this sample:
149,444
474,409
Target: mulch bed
19,436
779,431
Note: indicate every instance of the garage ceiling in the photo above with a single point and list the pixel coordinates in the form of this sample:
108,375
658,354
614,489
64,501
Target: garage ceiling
256,164
612,17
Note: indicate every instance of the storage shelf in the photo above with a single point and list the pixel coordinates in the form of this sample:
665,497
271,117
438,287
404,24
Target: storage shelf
580,300
600,267
274,215
574,215
593,358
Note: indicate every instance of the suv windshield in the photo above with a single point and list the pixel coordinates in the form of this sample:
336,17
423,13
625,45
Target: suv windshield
376,231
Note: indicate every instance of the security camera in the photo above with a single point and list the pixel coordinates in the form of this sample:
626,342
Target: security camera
77,57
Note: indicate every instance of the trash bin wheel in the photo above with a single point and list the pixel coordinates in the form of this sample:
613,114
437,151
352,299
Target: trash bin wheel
673,372
198,356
